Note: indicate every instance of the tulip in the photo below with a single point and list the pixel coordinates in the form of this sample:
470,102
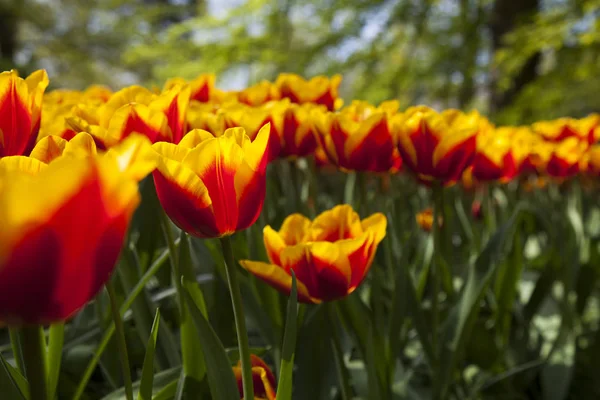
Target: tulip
436,146
358,138
425,219
159,117
20,111
330,255
62,231
494,159
259,94
590,162
53,147
211,187
565,157
264,380
560,129
318,90
202,88
58,106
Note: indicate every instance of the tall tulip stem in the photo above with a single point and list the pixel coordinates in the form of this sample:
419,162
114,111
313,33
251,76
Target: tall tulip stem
238,314
438,213
33,345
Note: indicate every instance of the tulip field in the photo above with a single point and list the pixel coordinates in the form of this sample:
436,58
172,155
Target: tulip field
188,242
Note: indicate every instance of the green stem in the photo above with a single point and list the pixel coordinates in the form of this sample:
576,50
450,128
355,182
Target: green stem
121,343
438,211
139,288
349,188
33,345
363,193
338,355
15,343
238,314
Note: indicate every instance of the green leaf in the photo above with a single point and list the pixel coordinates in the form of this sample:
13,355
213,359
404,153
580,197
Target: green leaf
55,349
168,392
145,391
284,386
139,287
13,384
191,347
220,376
161,381
462,316
375,392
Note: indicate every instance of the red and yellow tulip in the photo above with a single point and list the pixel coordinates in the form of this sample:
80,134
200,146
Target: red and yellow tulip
62,231
213,186
359,137
317,90
259,94
20,111
437,146
494,158
330,255
562,128
264,380
159,117
565,157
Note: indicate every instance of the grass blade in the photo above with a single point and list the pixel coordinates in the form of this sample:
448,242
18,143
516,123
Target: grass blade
284,386
145,392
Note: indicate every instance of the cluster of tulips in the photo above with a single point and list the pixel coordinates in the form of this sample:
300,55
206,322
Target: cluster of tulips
71,161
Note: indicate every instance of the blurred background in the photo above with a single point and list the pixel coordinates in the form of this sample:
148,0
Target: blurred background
515,60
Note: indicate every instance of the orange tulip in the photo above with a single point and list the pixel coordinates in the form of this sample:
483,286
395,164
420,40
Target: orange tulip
425,219
317,90
211,187
264,380
358,137
20,111
437,146
330,255
62,230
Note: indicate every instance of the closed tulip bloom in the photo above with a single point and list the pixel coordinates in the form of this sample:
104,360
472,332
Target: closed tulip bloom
213,186
358,138
437,146
317,90
264,380
494,159
62,231
425,219
330,255
20,111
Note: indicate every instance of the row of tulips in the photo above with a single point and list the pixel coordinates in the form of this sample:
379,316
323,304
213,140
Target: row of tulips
71,163
446,146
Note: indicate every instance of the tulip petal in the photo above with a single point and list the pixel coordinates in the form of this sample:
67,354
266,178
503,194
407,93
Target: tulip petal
15,115
277,277
341,222
48,148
